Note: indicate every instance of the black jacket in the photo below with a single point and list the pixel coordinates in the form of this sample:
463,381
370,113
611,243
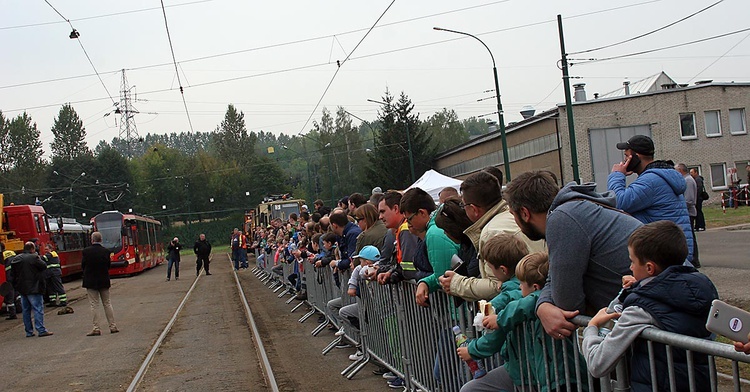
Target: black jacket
202,248
95,263
27,273
173,251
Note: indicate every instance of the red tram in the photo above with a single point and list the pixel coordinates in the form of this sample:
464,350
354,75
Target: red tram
132,239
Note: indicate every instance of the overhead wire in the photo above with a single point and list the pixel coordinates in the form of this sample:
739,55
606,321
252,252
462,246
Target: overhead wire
177,71
340,63
76,36
719,58
648,33
342,33
597,60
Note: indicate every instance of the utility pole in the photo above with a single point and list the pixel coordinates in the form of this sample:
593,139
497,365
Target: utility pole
128,130
568,104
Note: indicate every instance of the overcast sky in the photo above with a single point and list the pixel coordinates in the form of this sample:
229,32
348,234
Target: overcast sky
274,59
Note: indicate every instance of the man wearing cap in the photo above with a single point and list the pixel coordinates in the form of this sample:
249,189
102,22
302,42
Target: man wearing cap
658,192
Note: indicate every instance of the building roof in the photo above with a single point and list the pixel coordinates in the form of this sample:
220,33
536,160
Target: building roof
649,84
659,91
496,134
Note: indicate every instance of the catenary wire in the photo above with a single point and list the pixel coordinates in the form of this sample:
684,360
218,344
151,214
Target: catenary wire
177,71
339,64
343,33
77,38
648,33
597,60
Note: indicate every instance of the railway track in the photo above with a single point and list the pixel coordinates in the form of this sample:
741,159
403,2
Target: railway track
156,372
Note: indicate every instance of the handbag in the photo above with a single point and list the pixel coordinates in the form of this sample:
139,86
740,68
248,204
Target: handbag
704,195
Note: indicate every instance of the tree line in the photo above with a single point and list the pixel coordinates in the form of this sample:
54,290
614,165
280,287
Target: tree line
198,176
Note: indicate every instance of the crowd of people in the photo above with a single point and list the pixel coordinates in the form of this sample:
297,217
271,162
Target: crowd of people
540,253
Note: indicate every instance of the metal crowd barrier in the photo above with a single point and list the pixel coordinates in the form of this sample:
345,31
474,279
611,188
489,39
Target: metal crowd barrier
409,340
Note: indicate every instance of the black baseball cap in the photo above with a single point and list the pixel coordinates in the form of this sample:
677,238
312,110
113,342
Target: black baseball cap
639,143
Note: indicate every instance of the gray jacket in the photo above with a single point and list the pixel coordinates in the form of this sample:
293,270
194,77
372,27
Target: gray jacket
588,249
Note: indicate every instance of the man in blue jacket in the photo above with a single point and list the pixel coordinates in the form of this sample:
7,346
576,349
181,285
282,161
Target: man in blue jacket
657,193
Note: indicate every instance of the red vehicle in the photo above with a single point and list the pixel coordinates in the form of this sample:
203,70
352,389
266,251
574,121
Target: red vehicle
67,236
132,239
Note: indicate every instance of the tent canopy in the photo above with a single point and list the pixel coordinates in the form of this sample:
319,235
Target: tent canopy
433,182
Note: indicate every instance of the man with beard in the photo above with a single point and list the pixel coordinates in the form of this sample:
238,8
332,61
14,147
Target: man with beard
587,240
657,193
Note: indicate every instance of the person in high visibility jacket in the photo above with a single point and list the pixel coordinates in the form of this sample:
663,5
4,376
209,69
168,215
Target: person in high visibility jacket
53,277
10,299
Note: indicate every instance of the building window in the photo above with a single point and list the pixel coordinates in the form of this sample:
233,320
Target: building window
687,125
737,121
718,176
713,123
742,172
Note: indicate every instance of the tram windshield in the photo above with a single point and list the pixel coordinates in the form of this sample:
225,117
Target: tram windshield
110,225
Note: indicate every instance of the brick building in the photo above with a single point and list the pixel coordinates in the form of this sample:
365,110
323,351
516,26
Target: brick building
703,126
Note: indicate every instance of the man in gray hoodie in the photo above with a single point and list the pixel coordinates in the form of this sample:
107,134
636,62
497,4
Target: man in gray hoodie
588,245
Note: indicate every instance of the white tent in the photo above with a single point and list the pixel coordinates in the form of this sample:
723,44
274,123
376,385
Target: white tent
433,182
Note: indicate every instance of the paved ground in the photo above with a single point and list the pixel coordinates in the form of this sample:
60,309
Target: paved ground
725,256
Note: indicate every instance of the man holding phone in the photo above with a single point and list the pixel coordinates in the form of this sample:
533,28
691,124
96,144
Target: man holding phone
657,193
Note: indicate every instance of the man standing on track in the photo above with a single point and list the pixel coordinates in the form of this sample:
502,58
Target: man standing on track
202,249
95,264
28,279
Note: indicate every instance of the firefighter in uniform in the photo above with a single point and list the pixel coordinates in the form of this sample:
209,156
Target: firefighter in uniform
10,299
53,276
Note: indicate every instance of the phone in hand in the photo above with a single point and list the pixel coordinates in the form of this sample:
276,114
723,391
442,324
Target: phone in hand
729,321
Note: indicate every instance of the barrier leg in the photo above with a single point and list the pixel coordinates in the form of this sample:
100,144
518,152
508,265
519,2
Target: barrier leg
331,345
306,316
285,292
297,306
355,367
319,328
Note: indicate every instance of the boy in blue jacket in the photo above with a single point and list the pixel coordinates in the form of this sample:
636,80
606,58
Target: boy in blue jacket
664,294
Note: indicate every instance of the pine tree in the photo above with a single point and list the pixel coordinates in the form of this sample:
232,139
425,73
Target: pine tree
390,167
70,135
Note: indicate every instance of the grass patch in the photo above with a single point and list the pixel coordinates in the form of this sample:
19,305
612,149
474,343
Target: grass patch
715,216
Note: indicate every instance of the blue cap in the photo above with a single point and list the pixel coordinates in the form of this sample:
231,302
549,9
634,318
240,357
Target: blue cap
368,252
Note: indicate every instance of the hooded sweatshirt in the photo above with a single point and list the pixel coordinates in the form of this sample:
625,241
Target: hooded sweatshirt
657,194
588,249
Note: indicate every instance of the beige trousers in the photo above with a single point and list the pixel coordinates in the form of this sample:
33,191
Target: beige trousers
94,297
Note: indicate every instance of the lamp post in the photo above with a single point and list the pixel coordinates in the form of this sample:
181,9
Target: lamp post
408,142
501,119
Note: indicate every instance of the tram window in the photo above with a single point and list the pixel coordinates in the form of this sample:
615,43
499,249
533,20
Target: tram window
59,242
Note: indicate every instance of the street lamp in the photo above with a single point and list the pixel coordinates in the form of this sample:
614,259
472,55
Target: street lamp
408,142
501,119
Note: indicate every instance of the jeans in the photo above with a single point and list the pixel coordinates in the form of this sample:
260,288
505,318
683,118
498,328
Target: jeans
35,302
243,258
176,264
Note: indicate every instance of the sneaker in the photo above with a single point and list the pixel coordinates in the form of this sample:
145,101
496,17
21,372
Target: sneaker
30,335
176,278
398,383
95,332
340,332
167,279
208,273
389,376
343,345
356,356
12,318
45,333
114,330
380,371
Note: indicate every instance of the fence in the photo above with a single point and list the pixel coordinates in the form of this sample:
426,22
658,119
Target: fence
417,344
